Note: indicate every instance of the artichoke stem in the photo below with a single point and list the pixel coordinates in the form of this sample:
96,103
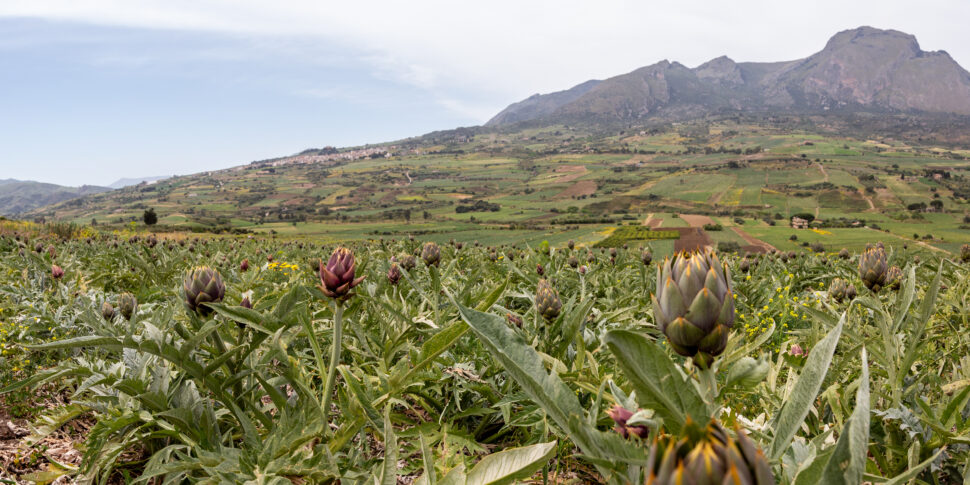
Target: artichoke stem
334,360
708,383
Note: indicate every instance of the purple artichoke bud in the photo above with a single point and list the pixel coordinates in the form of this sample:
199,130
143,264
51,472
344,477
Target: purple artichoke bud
202,285
244,265
337,277
56,271
620,416
394,274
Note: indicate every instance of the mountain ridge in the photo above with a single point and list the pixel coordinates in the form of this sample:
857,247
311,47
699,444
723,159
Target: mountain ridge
862,69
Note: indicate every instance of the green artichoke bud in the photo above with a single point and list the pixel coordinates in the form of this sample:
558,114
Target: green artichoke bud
646,257
707,456
107,311
965,253
127,304
573,262
547,301
694,305
844,253
850,292
431,254
337,277
837,289
571,244
408,262
744,266
894,277
202,285
873,267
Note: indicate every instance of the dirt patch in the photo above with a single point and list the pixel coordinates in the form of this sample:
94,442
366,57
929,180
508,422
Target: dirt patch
696,220
572,172
18,460
578,189
691,239
755,245
652,222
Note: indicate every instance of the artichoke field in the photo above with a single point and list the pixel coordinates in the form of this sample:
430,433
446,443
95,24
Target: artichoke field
181,359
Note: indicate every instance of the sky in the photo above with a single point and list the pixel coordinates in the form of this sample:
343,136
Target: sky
95,90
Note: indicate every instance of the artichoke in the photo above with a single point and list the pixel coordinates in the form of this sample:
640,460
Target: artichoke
572,262
894,277
850,292
694,305
620,416
127,304
547,301
431,254
244,265
337,277
965,253
107,311
408,262
571,244
837,289
646,257
202,285
844,253
707,456
873,267
57,272
540,270
393,274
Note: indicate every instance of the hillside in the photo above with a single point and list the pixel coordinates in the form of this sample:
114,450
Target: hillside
564,182
858,70
19,196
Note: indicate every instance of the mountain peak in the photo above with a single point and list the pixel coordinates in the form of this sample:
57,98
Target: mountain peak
862,69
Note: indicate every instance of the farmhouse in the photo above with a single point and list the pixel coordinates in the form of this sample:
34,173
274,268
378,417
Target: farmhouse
799,223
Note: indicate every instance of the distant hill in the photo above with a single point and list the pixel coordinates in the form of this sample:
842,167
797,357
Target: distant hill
859,70
19,196
126,182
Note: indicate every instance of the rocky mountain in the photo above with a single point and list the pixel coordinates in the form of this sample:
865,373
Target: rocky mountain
859,70
20,196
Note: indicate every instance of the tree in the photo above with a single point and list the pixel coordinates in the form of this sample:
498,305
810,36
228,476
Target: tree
150,217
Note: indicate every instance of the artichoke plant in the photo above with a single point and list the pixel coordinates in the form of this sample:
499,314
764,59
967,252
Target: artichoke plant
547,301
694,305
431,254
337,277
127,304
708,456
202,285
873,267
